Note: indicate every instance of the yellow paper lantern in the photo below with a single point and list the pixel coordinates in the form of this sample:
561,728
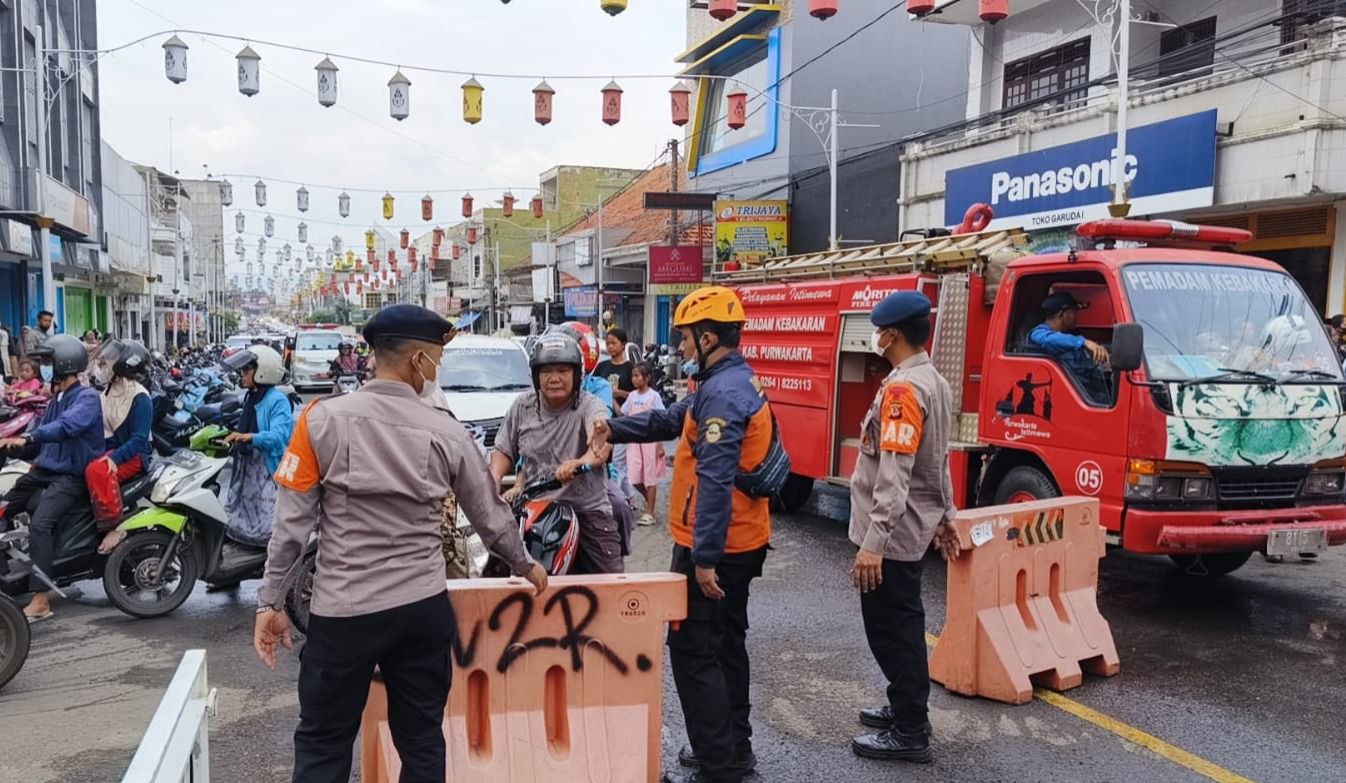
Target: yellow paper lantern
472,91
387,206
369,239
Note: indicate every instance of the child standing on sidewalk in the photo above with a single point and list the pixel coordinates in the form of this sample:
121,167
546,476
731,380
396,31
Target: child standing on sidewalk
645,462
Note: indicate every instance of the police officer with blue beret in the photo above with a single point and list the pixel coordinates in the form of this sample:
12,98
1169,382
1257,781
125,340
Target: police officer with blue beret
370,471
901,500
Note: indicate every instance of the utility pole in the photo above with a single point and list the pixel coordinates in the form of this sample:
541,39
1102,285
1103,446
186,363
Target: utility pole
673,188
598,270
44,223
551,280
1121,202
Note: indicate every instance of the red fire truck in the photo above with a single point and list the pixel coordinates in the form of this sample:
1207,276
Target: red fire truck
1222,433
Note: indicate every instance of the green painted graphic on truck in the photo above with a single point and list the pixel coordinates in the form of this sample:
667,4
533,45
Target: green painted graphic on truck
1224,424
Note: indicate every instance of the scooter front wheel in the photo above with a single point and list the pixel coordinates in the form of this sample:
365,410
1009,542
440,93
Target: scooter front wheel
136,583
14,640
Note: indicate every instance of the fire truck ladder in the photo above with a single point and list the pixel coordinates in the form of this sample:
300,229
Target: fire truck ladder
933,254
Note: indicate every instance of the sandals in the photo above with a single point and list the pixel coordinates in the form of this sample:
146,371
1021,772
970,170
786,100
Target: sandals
33,619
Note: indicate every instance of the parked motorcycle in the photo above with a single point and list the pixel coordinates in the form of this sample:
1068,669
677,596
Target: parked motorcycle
18,416
181,538
15,636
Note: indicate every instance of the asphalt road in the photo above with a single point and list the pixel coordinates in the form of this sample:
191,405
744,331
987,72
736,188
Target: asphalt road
1244,673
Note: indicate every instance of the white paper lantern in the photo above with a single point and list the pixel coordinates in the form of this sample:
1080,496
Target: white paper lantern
260,189
269,226
239,222
303,232
308,253
238,245
175,60
226,193
261,245
301,198
249,71
327,82
336,243
399,96
288,251
344,204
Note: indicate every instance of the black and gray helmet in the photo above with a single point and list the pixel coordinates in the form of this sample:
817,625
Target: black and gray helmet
556,348
67,355
126,358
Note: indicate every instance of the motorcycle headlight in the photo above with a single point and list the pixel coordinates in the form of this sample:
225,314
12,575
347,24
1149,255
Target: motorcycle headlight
163,490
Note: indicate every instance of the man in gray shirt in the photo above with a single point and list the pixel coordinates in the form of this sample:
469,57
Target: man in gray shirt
371,471
35,336
552,430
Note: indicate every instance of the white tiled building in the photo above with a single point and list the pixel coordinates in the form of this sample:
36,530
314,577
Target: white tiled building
1260,85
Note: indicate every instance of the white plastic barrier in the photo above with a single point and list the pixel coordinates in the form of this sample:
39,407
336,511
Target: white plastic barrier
176,746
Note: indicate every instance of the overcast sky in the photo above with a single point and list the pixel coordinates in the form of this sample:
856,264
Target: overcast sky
284,134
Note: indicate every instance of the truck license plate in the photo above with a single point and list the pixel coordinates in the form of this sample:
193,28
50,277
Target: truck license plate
1293,542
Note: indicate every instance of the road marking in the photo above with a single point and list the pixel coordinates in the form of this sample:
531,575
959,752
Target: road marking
1207,769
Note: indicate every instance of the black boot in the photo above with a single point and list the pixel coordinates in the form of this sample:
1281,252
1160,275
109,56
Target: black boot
882,718
687,758
892,745
695,776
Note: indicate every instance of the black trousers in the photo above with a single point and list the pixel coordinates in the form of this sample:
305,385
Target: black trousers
895,626
410,644
709,657
47,497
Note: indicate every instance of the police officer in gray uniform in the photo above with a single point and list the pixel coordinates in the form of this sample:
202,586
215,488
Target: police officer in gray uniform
901,500
371,471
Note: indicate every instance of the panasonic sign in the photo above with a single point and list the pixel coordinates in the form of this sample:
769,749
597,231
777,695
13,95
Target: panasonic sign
1169,166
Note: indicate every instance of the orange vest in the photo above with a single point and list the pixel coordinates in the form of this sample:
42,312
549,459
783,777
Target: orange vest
750,518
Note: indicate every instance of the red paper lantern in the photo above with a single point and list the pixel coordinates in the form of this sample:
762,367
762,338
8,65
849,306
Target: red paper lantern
680,96
350,277
348,289
438,236
822,9
427,207
411,256
375,263
508,200
360,288
467,205
542,98
612,103
723,9
537,208
472,235
413,266
920,7
738,108
993,11
405,238
457,251
392,257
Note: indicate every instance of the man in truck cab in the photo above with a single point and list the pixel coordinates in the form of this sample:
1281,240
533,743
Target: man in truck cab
1084,359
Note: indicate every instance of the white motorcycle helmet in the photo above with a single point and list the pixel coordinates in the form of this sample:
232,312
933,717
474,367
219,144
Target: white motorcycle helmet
1283,333
270,368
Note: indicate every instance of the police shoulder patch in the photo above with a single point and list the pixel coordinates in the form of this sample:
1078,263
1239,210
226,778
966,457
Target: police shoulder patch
714,430
901,422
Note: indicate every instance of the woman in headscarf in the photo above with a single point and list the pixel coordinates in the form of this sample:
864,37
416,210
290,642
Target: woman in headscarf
119,368
264,429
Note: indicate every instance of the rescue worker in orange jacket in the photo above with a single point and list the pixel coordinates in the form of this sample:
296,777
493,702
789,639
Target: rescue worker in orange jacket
720,534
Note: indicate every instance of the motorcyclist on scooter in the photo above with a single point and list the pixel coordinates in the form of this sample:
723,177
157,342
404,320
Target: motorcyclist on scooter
119,366
263,432
346,363
551,430
66,440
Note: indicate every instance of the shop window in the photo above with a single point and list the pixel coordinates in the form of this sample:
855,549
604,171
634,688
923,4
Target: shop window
1057,77
1298,14
1094,323
715,131
1188,49
715,145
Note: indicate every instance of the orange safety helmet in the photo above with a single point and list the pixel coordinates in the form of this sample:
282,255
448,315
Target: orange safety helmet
588,341
711,303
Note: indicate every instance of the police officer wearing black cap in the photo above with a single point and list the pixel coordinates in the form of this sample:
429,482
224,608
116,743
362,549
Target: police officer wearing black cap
371,470
901,500
1084,359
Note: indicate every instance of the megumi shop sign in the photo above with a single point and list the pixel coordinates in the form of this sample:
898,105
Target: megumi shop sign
1170,165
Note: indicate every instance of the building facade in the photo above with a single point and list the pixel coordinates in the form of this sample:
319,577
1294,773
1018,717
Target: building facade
63,169
205,276
126,229
1237,117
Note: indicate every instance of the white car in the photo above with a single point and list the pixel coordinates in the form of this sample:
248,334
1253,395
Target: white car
314,350
481,376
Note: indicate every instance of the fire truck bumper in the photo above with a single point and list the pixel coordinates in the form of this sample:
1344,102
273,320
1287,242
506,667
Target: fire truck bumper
1173,532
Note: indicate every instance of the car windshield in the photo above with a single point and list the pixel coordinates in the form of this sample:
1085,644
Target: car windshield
318,341
1228,323
238,341
484,369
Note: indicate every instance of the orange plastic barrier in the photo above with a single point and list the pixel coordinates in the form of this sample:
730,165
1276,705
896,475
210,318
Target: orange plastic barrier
1022,602
563,687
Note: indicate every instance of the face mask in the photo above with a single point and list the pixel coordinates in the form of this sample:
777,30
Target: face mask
46,372
101,375
689,368
874,344
428,385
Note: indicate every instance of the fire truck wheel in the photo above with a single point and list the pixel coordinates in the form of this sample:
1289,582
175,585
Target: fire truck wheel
1025,484
796,492
1211,565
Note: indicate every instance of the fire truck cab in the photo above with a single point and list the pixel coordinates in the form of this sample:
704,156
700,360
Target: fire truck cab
1215,431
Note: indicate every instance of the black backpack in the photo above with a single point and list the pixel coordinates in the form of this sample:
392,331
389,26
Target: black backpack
768,478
